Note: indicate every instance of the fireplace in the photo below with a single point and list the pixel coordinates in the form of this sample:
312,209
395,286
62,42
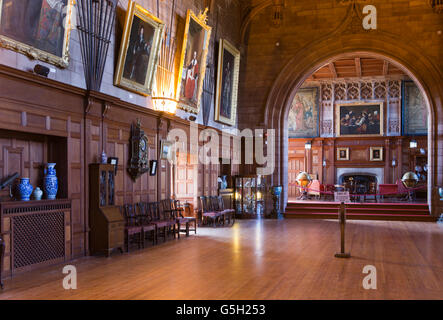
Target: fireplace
361,176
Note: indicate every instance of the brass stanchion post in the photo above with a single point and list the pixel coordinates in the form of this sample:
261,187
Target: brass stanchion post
342,218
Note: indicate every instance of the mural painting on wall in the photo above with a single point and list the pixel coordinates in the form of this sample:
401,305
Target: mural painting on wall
227,83
139,50
38,28
304,114
359,119
193,62
414,111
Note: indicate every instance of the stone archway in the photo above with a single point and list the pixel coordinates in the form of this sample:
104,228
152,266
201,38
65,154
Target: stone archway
421,69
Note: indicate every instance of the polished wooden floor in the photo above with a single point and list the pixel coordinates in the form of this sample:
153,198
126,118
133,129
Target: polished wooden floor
286,259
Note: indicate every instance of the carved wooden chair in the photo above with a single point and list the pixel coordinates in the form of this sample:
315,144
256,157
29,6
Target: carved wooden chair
181,220
228,214
169,212
146,222
215,206
206,214
132,228
160,219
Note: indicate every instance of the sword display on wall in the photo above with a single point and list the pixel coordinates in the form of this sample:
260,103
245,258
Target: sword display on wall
96,20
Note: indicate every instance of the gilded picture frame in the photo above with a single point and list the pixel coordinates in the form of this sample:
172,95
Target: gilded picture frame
342,154
40,31
139,50
359,119
192,66
227,83
376,153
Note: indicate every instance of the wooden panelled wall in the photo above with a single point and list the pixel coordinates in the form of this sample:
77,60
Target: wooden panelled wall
301,159
43,120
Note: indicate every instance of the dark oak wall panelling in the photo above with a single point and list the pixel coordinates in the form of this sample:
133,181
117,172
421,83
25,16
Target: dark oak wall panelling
47,121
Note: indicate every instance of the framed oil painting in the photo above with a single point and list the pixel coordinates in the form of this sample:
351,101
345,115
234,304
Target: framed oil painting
342,154
363,119
227,83
193,62
376,154
414,111
139,50
39,29
303,116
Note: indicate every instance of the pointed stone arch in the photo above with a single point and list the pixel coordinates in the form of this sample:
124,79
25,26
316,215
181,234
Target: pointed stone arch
420,68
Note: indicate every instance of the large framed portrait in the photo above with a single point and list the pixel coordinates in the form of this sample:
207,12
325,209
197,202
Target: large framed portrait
303,116
363,119
227,83
193,62
414,110
139,50
37,28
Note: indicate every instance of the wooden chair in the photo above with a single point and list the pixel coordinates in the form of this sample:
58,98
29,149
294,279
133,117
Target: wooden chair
206,214
160,219
146,222
372,191
132,227
170,214
229,214
2,252
181,220
215,207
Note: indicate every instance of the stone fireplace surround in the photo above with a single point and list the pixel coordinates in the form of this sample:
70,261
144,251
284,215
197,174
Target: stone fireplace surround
377,172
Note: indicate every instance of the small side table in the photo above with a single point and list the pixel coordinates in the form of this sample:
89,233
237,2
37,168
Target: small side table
2,251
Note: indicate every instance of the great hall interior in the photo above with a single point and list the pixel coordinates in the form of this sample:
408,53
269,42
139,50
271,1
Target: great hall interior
221,149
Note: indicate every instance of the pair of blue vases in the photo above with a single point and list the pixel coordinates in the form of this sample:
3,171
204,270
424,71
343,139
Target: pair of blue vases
50,184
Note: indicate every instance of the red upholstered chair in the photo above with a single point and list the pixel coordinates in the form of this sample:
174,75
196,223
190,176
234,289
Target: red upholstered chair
132,227
228,213
205,212
146,222
160,219
314,189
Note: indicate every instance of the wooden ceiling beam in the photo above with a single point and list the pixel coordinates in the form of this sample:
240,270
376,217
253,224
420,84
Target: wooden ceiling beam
358,67
333,70
385,68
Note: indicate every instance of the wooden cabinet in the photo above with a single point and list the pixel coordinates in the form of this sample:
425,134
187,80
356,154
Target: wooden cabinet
106,221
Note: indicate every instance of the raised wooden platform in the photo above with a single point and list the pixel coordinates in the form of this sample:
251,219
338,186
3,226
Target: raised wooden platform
360,211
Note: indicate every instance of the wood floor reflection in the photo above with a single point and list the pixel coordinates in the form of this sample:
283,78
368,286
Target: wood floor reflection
287,259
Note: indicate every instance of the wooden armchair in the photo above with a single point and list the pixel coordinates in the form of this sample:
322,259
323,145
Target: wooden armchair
132,227
146,222
161,220
181,220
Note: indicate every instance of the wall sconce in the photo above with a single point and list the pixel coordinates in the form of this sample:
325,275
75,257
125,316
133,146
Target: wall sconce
164,104
394,163
308,145
324,163
413,144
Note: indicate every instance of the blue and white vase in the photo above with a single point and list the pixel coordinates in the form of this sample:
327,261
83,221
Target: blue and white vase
24,189
50,182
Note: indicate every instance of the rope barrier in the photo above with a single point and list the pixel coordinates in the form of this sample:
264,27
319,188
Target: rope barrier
307,189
